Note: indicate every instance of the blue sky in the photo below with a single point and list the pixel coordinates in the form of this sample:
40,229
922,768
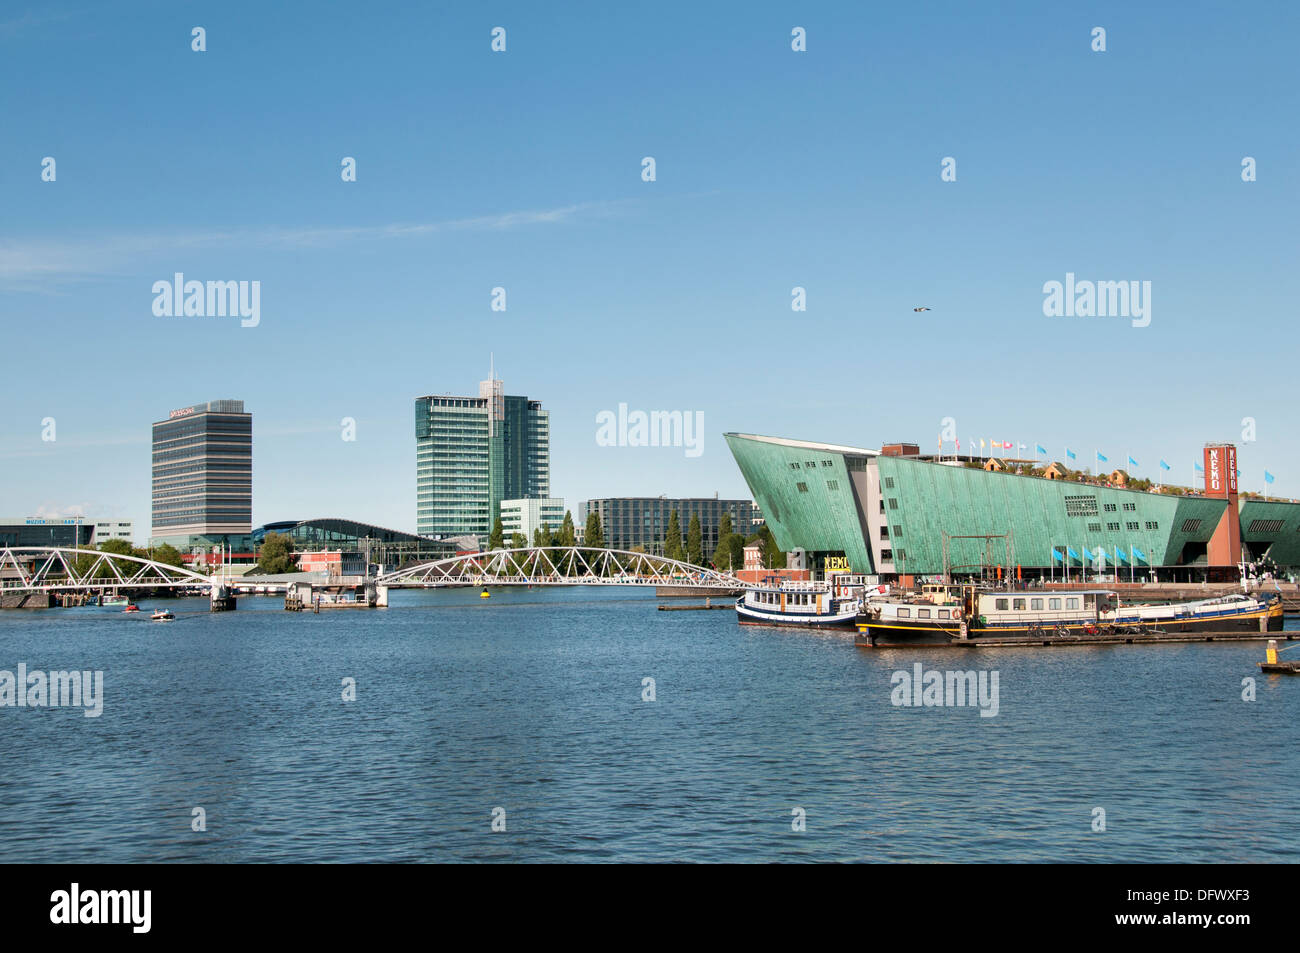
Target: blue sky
522,169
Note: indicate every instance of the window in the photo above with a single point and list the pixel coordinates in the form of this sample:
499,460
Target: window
884,532
1036,604
945,614
1110,507
811,464
1054,604
923,613
904,613
1001,605
832,485
1130,506
1152,524
1131,525
1265,526
802,487
1191,526
886,555
1094,527
1072,602
898,531
827,463
1080,506
794,466
893,503
902,554
889,483
1112,526
1018,605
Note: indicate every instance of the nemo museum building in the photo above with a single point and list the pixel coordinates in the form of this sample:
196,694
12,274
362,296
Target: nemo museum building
904,515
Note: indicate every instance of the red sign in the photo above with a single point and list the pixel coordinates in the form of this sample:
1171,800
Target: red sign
1221,471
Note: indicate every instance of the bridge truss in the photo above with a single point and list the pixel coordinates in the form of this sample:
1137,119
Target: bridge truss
48,568
559,566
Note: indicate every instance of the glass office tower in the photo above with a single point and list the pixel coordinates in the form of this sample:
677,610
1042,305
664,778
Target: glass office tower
473,452
203,476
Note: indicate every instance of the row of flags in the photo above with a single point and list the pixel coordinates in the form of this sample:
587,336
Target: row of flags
1132,555
1040,450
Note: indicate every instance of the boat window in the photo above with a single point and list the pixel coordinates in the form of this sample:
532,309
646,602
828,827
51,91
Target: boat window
944,614
1072,602
1036,604
1018,604
923,613
1002,605
1053,603
904,613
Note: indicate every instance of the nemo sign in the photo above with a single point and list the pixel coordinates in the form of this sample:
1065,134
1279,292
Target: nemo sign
836,564
1221,470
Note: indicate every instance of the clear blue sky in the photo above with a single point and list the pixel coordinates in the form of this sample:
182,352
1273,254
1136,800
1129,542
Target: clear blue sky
775,169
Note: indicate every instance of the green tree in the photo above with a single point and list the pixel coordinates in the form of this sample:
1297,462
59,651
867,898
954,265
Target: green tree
518,541
568,536
276,555
595,536
722,553
171,556
497,538
694,542
673,537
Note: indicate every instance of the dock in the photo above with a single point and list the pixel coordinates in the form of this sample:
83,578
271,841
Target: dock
984,642
708,604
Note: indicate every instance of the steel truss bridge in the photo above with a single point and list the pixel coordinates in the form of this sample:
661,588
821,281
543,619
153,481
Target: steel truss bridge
54,568
559,566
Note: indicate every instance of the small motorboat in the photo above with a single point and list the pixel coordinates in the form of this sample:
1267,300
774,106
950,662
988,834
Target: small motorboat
162,615
131,607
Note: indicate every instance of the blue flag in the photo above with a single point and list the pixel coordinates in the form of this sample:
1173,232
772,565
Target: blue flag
1101,458
1073,554
1163,465
1199,468
1056,555
1069,453
1138,553
1268,477
1119,555
1040,448
1133,463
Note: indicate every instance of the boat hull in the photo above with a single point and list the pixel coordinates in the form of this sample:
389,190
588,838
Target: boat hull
749,615
874,633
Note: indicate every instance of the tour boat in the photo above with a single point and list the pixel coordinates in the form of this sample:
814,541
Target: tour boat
131,607
162,615
834,602
114,600
947,613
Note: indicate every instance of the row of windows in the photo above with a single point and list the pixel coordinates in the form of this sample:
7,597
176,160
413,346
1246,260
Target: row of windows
925,613
1036,604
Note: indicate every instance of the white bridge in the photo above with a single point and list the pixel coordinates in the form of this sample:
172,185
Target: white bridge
559,566
54,568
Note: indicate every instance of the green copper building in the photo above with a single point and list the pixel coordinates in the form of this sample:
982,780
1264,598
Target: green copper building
902,513
473,452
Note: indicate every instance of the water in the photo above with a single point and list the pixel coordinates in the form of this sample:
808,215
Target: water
531,702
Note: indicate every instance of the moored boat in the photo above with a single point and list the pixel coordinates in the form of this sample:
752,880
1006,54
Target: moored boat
833,603
962,612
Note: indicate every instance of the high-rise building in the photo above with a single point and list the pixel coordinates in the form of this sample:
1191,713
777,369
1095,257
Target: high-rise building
203,477
473,452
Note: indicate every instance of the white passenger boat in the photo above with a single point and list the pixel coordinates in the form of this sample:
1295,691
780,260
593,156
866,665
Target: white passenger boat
834,602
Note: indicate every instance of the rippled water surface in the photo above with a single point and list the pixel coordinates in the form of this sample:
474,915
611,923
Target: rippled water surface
532,702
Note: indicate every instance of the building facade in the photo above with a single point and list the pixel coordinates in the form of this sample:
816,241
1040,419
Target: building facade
528,515
631,522
114,529
203,477
72,531
905,516
473,452
353,543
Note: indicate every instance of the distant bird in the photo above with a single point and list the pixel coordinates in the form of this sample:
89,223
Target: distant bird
920,309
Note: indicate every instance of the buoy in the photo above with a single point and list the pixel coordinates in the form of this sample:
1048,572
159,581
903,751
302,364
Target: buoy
1270,655
485,594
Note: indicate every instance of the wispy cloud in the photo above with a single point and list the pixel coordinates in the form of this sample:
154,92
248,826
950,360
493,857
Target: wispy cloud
27,264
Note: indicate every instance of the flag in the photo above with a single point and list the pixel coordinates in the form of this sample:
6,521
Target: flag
1138,553
1132,462
981,443
1073,554
1056,555
958,443
1022,447
1038,447
1268,477
1163,465
1199,468
1119,555
1102,458
1069,453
